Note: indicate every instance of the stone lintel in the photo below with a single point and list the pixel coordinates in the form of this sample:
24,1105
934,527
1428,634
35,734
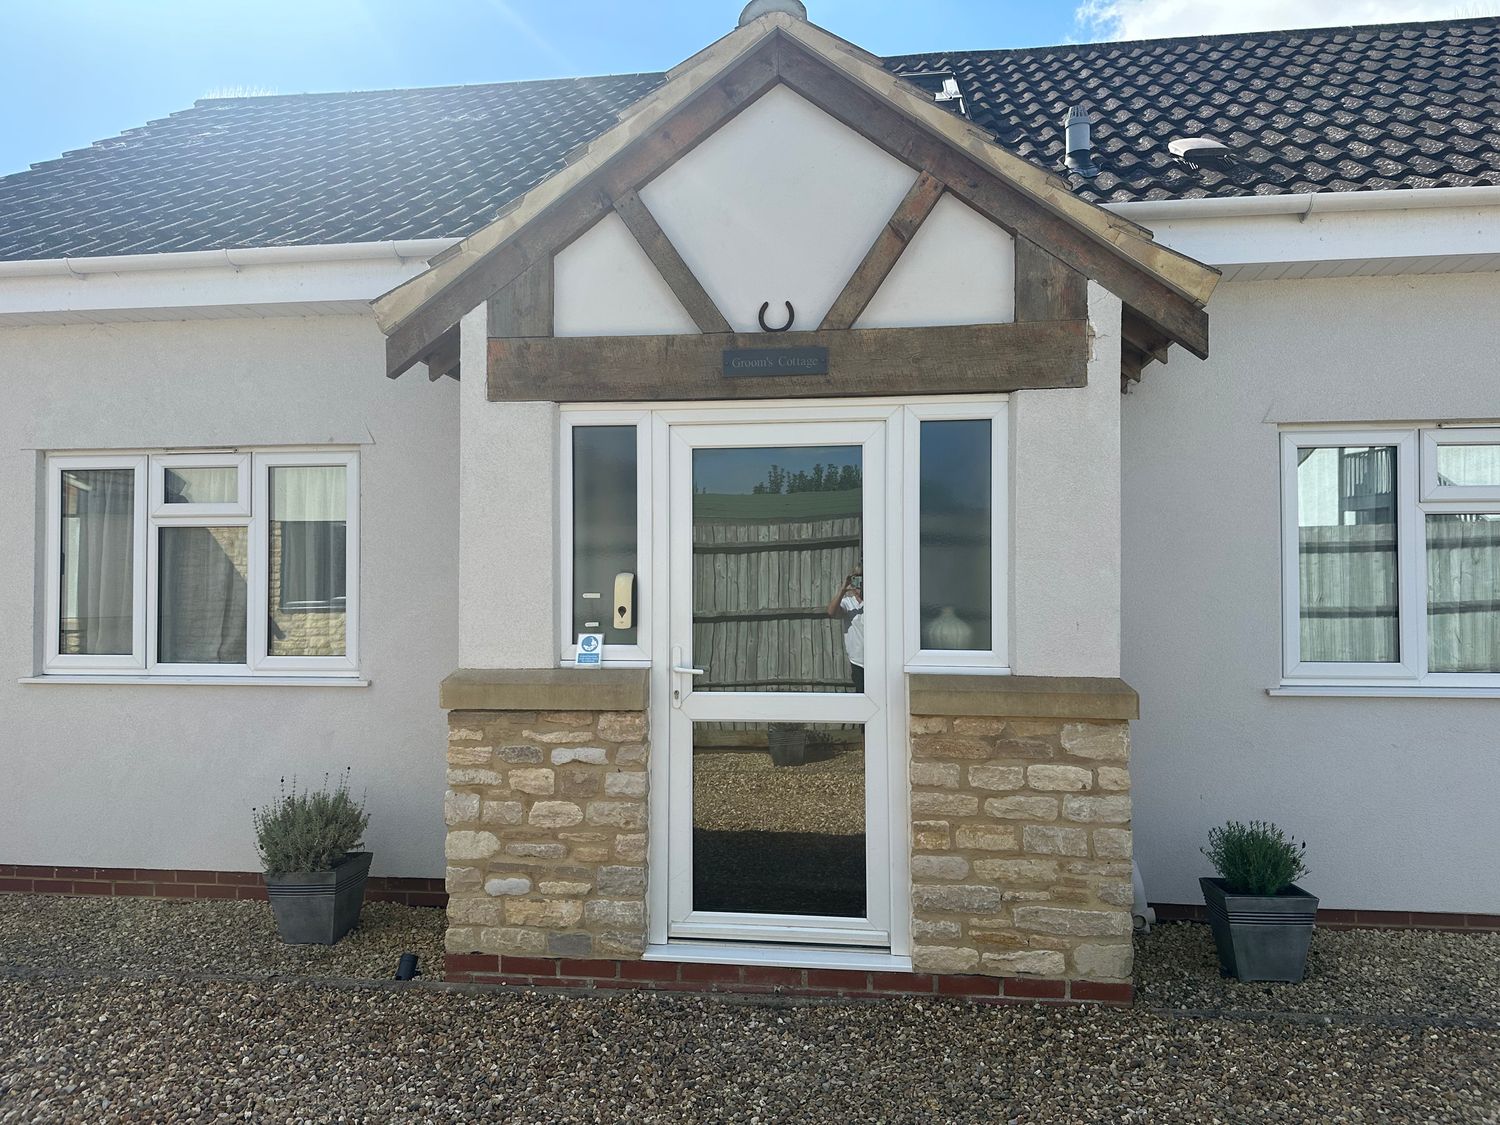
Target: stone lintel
545,689
1081,698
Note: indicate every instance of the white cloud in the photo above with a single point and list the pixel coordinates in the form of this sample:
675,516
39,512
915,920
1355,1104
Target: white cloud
1156,19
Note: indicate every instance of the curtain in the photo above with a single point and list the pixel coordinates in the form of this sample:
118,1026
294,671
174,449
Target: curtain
98,562
203,589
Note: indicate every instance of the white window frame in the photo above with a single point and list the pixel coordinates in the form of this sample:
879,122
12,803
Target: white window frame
647,419
1417,496
55,660
623,656
252,511
995,659
1464,495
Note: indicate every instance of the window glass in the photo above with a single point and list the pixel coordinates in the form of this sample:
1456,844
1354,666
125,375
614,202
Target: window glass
955,522
202,589
98,562
211,485
308,535
1468,466
604,527
1346,554
1463,593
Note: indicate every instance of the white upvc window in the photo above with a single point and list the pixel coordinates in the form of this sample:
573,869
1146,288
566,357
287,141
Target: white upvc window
1391,559
955,539
207,564
948,499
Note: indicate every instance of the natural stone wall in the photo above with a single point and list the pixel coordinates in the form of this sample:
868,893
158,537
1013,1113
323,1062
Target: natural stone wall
546,848
1021,847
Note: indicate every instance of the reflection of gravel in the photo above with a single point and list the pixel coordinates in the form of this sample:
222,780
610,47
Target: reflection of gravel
162,935
745,792
108,1051
1372,971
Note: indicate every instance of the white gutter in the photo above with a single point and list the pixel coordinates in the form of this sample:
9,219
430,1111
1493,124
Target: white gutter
1232,207
399,251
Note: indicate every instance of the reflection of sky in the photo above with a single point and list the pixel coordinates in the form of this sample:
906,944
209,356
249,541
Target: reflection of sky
955,464
736,472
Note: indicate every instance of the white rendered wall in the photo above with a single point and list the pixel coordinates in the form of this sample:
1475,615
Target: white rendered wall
507,541
165,776
1065,515
1396,797
605,285
781,204
960,268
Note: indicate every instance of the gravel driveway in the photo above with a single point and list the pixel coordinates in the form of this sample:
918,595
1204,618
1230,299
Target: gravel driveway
95,1037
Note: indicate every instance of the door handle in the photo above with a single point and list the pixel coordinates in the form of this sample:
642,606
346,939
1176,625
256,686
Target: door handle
687,671
680,669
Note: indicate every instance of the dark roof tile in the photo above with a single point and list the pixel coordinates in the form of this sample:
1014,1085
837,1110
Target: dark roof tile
1345,109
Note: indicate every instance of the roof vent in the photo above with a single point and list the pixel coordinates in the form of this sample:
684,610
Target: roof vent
1202,152
755,8
1079,142
943,86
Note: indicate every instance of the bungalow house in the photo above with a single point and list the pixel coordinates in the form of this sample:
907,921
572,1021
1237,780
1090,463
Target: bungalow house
769,482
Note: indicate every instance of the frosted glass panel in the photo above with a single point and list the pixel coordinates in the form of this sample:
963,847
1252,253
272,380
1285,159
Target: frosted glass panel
955,522
202,613
98,562
1346,554
1463,593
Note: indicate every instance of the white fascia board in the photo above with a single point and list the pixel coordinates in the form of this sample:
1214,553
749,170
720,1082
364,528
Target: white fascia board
282,279
1430,230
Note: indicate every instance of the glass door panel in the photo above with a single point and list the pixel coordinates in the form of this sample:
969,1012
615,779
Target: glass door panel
776,743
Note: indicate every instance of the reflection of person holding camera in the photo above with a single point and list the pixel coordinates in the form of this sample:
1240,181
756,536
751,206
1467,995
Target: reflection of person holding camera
849,605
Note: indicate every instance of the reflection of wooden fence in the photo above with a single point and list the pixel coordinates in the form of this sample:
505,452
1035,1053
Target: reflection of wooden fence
764,570
1348,577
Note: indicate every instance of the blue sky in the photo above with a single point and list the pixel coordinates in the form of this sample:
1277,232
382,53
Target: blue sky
92,68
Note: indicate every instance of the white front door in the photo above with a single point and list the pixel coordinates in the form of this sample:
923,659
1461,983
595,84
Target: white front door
778,616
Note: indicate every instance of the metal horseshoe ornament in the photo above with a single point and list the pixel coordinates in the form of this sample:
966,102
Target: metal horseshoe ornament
791,318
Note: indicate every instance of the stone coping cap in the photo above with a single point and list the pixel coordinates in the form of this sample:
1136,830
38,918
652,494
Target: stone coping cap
1025,697
545,689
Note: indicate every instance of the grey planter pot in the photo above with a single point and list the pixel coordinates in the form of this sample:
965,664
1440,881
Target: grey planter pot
1261,937
319,907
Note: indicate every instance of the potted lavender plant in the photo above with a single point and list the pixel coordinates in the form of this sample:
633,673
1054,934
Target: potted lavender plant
1262,921
315,876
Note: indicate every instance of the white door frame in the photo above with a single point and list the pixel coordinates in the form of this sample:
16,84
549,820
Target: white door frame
883,709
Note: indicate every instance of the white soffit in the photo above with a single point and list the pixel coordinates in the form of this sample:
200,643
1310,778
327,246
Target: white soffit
1331,234
960,268
781,204
210,284
605,285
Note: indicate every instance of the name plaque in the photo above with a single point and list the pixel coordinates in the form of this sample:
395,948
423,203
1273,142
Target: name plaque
775,361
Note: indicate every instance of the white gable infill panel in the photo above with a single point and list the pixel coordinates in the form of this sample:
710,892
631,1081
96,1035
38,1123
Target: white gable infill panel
959,268
605,285
779,205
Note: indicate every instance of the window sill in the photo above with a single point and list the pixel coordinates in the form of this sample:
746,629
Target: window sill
1382,691
202,681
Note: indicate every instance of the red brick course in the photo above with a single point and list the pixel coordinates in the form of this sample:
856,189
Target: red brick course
692,976
1355,919
143,882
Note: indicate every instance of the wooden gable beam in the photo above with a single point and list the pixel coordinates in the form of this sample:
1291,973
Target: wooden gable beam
1161,305
668,262
893,238
1047,288
443,359
584,205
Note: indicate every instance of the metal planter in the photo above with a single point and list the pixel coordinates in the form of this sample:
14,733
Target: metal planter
1261,937
319,907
